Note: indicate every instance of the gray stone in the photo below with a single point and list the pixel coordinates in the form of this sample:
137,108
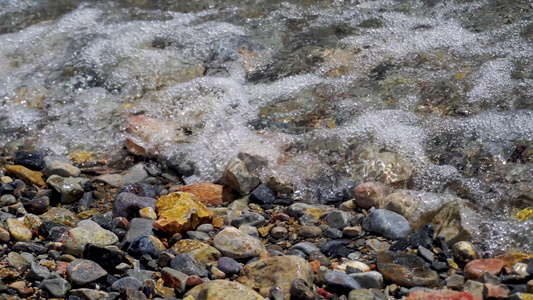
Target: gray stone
88,294
37,272
250,219
361,294
425,254
142,275
342,280
70,188
128,205
83,271
205,228
234,243
387,223
198,235
455,282
338,219
189,265
60,167
134,174
126,282
333,233
228,265
57,287
240,173
305,247
89,232
139,227
278,232
174,279
369,280
17,262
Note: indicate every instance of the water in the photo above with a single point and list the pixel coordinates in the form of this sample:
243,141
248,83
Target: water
434,96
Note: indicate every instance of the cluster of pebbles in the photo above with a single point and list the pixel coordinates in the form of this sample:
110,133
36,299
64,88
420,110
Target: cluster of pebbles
82,234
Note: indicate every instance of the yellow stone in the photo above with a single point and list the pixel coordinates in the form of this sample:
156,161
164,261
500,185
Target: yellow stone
201,251
263,231
524,214
179,212
25,174
147,213
18,230
6,179
88,213
510,259
218,222
82,158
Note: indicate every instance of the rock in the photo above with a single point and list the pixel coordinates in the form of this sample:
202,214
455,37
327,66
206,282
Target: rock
464,252
28,176
57,287
89,232
441,295
56,166
159,290
236,244
338,219
250,219
240,173
142,275
189,265
127,205
28,247
406,269
70,189
60,216
250,230
8,274
140,189
312,213
17,262
137,228
222,290
201,251
475,268
88,294
455,282
375,245
387,223
342,281
207,193
37,272
36,206
276,271
228,265
278,232
487,277
4,235
105,257
7,200
179,212
353,231
30,160
370,194
21,288
320,257
134,174
126,282
262,195
146,244
530,267
332,247
147,213
495,291
83,271
333,233
174,279
369,280
131,294
18,230
403,202
426,254
300,290
279,186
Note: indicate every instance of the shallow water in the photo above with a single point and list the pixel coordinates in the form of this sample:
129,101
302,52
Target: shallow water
321,89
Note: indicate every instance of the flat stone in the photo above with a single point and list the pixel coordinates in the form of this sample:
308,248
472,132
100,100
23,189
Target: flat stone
240,172
89,232
387,223
57,166
369,280
406,269
305,247
18,230
146,244
475,268
4,235
222,290
300,290
236,244
207,193
179,212
310,231
142,275
70,188
354,265
375,245
147,213
128,205
278,232
341,281
473,287
189,265
107,258
83,271
28,176
37,272
250,219
61,216
361,294
201,251
228,265
57,287
455,282
21,288
126,282
36,206
441,295
174,279
17,262
276,271
135,174
495,291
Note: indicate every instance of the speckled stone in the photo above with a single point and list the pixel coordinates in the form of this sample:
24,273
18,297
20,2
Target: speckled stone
234,243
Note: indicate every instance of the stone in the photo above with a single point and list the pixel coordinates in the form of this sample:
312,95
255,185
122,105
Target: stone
28,247
342,281
131,294
137,228
369,194
159,290
215,273
28,176
310,231
474,269
174,279
207,228
198,235
60,215
21,288
146,244
37,272
276,271
320,257
425,253
70,189
142,275
36,206
361,294
57,287
353,231
333,233
7,200
250,219
375,245
251,230
487,277
17,262
147,213
30,160
334,246
88,294
369,280
441,295
107,258
353,265
140,189
89,232
126,282
222,290
201,251
236,244
312,212
57,166
455,282
207,193
278,232
8,274
464,251
18,230
301,290
228,265
179,212
127,205
406,270
83,271
240,173
305,247
262,195
521,296
135,174
338,219
189,265
387,223
473,287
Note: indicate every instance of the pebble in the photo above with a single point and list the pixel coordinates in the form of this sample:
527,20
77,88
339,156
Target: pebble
353,231
18,230
440,294
425,253
126,282
107,258
361,294
28,176
455,282
137,228
88,294
128,205
207,193
406,270
135,174
89,232
30,160
205,228
337,280
57,166
375,245
57,287
387,223
222,289
310,231
37,272
338,219
198,235
262,195
278,232
7,200
475,268
174,279
36,206
305,247
228,265
70,189
250,219
179,212
203,252
147,213
234,243
463,252
140,189
17,262
60,215
333,233
301,290
146,244
83,271
369,280
189,265
369,194
216,273
320,257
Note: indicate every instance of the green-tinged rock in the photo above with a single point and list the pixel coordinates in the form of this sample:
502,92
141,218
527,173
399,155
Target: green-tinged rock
197,249
70,188
18,230
222,290
61,216
89,232
179,212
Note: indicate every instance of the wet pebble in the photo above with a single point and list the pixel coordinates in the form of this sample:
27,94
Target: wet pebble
234,243
387,223
105,257
250,219
310,231
128,205
126,282
83,271
369,280
146,244
333,233
228,265
338,219
338,280
278,232
262,195
305,247
189,265
57,287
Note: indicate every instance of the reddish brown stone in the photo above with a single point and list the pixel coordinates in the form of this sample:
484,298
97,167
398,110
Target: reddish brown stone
207,193
61,267
475,268
315,265
495,291
369,194
21,288
194,280
441,295
322,292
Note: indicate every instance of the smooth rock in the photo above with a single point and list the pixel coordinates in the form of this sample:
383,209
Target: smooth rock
278,232
56,166
30,160
89,232
473,287
236,244
17,262
441,295
495,291
174,279
250,219
140,189
189,265
127,205
333,233
338,219
353,231
353,265
228,265
387,223
455,282
28,176
305,247
207,193
61,216
406,269
36,206
126,282
107,258
262,195
310,231
369,280
83,271
18,230
37,272
341,281
276,271
301,290
147,213
361,294
179,212
70,189
222,290
375,245
464,251
475,268
146,244
57,287
89,294
201,251
369,194
137,228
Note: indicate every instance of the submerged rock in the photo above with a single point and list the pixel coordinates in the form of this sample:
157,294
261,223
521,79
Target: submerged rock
134,174
406,270
387,223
